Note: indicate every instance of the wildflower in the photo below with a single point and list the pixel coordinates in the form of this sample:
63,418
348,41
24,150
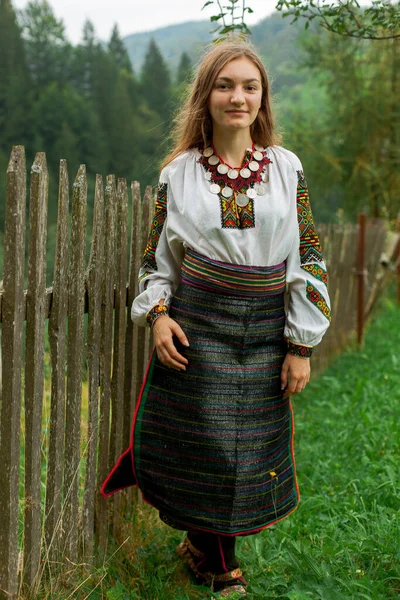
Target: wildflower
272,473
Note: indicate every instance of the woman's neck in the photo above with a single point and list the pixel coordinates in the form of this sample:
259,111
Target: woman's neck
231,146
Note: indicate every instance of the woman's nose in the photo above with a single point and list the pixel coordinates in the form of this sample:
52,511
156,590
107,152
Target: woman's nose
237,96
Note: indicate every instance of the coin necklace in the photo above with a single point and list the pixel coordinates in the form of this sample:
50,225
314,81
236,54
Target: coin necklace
240,183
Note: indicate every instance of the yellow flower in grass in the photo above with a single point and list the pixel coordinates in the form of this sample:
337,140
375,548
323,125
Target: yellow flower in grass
272,473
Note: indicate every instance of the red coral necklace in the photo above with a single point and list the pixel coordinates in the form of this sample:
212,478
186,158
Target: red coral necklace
244,182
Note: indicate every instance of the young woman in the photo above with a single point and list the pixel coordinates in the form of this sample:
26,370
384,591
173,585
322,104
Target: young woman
234,285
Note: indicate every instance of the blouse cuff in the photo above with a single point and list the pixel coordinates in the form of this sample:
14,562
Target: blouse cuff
299,349
149,298
154,313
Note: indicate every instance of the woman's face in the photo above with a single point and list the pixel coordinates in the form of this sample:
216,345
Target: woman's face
236,95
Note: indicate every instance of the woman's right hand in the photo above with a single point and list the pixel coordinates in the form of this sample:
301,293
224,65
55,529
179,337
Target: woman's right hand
164,328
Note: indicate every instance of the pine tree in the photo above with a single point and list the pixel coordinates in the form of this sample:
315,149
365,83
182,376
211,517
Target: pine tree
184,69
118,51
48,50
155,81
14,80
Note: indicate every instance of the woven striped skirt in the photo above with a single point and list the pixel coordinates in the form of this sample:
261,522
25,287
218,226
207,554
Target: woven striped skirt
212,446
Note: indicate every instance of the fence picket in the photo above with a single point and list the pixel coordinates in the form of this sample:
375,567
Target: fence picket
131,329
13,314
94,282
76,306
57,340
34,365
117,398
107,303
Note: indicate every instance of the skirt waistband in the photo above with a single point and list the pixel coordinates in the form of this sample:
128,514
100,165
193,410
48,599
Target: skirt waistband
236,280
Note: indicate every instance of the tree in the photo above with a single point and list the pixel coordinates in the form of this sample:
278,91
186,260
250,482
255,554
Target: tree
14,80
378,22
184,69
345,17
155,81
118,51
122,133
48,51
359,132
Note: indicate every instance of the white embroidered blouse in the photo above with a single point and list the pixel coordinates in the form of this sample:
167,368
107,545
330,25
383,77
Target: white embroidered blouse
278,226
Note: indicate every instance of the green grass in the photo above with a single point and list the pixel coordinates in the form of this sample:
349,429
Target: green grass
342,543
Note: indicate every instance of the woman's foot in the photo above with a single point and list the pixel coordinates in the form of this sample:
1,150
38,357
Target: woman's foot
212,568
238,590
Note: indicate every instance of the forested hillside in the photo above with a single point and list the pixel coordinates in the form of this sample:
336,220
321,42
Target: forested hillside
110,104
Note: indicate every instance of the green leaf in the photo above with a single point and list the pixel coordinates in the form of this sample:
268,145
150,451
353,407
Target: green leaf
207,3
217,17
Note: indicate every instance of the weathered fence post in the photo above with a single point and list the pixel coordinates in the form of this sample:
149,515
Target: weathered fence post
13,315
94,282
131,330
118,382
76,307
57,340
360,277
34,365
107,303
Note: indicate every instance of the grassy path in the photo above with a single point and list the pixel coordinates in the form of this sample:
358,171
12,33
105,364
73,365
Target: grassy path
343,542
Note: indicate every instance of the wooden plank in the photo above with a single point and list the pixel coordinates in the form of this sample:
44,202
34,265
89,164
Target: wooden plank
131,329
76,297
11,343
143,333
94,277
117,384
107,303
57,340
34,366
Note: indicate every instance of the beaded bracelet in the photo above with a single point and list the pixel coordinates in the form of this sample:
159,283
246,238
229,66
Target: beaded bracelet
157,311
299,350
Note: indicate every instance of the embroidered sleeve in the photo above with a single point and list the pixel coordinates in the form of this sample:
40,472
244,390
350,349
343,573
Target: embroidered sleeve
149,264
159,273
308,307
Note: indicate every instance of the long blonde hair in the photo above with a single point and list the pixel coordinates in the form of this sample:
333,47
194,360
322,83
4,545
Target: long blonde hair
192,124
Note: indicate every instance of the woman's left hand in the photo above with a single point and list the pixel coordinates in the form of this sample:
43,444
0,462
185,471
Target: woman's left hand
295,374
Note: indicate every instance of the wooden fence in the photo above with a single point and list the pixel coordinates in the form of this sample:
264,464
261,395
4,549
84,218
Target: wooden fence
61,471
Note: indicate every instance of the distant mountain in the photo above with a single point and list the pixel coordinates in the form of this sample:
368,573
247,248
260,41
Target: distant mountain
274,37
190,37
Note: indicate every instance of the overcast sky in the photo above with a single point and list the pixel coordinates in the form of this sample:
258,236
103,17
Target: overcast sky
133,15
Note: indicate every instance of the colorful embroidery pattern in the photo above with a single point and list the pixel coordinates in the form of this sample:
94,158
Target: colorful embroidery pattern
232,215
316,271
318,300
298,350
310,247
160,214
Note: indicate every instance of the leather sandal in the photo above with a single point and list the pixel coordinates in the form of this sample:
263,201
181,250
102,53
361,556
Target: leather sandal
194,558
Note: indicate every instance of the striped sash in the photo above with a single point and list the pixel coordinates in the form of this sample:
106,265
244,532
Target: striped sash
240,280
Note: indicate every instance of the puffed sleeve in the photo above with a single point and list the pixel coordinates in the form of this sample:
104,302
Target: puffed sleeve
308,314
160,270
